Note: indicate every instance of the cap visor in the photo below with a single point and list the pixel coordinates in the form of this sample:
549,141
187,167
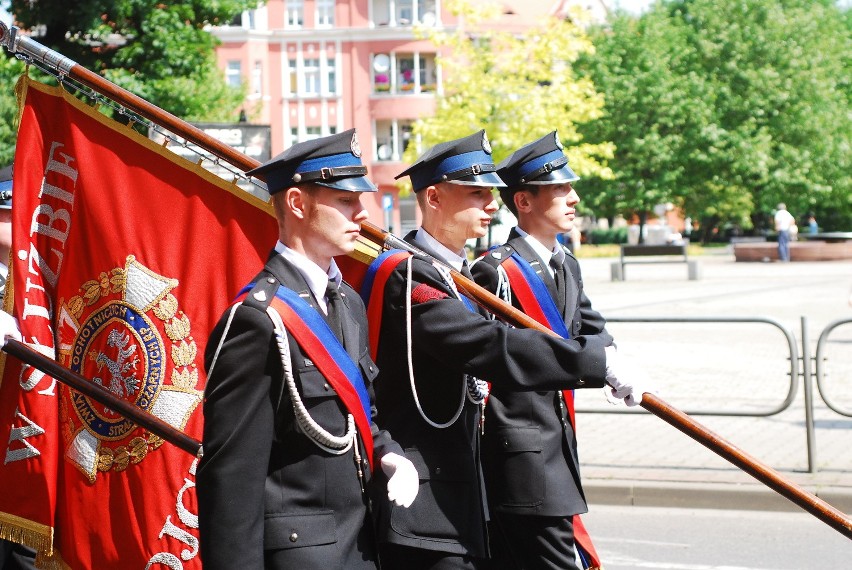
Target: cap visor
355,184
489,179
559,176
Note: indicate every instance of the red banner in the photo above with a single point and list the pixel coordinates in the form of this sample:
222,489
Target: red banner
124,256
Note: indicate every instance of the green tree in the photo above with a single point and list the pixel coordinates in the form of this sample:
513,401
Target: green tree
158,50
726,107
518,88
10,70
649,112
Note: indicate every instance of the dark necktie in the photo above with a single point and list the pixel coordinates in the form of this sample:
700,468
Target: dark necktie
465,270
336,309
558,275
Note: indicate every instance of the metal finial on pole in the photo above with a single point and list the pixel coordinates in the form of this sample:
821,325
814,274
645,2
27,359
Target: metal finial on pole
22,44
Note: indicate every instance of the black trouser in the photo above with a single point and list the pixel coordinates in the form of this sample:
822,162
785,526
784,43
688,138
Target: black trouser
15,556
528,542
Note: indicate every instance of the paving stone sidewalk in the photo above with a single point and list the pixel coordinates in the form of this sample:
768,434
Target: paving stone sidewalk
731,367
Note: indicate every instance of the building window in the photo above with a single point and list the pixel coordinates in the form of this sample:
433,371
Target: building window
257,79
311,77
427,13
295,17
428,74
381,73
407,72
325,13
234,73
312,133
330,77
407,213
405,12
404,74
392,138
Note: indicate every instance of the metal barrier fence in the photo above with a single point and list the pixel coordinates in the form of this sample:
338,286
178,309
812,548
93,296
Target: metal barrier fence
800,368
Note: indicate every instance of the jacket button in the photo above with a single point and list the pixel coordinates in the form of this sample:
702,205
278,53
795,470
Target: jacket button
437,470
505,443
581,382
270,280
294,537
325,386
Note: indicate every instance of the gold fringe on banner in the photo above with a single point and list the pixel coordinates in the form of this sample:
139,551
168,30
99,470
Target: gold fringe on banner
26,532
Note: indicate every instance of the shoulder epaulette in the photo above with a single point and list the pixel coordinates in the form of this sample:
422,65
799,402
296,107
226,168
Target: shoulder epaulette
262,293
497,255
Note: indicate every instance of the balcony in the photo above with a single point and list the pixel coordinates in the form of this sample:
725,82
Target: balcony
403,13
404,74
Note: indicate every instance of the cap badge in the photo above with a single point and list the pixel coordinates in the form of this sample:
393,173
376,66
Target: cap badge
356,148
486,146
558,142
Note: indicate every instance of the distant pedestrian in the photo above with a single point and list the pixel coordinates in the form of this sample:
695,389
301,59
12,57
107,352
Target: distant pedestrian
813,227
783,223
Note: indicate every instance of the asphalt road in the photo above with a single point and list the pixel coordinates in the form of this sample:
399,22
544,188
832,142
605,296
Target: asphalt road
655,538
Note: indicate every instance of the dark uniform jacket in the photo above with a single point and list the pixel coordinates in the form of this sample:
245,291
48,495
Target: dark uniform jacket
449,341
268,496
529,449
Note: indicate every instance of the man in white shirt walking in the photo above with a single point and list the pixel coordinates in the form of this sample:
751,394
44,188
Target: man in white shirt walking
783,222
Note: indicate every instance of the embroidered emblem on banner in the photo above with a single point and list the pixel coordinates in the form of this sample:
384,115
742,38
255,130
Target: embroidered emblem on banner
126,332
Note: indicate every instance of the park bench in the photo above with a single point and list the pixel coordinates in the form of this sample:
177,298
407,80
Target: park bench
653,254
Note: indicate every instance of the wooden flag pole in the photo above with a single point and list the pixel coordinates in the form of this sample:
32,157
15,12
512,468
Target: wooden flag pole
38,53
103,396
716,443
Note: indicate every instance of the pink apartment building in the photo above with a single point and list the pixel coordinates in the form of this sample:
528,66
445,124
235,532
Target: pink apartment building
318,67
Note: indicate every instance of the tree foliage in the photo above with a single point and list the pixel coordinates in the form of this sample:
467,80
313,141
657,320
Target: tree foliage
10,70
506,84
725,108
158,50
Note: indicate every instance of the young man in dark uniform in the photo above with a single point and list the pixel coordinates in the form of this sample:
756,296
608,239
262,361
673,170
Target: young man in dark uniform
288,434
433,349
533,496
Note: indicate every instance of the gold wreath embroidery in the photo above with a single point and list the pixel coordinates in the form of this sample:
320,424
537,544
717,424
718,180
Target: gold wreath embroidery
184,351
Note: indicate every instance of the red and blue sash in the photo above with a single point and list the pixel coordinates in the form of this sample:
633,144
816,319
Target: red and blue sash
533,296
373,291
536,302
320,344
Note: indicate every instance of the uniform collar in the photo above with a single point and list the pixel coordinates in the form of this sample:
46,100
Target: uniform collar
455,259
541,250
316,278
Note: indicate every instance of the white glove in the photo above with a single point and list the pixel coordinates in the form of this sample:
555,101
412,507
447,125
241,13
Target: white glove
403,482
9,328
627,384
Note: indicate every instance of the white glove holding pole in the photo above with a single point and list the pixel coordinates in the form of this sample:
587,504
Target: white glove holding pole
9,328
403,481
625,384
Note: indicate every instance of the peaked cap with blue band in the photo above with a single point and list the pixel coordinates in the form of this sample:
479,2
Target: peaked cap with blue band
462,161
333,161
6,188
538,163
